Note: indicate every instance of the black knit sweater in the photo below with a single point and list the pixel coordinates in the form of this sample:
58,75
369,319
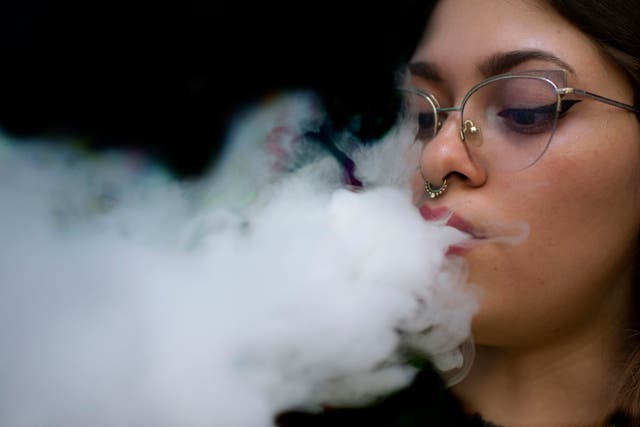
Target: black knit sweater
425,402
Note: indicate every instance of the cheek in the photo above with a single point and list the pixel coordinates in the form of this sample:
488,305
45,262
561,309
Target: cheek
582,204
596,181
417,188
583,199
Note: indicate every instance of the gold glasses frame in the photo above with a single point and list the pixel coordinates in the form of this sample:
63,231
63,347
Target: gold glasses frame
555,78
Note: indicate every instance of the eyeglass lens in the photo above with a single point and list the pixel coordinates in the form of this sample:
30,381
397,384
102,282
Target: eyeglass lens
513,120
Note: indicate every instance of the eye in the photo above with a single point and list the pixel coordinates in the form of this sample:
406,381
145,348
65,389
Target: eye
418,109
529,121
426,126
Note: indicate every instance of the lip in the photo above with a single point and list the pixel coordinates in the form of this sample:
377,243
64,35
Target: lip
457,250
435,213
451,219
457,222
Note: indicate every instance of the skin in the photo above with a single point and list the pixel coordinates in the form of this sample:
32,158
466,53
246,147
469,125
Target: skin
552,327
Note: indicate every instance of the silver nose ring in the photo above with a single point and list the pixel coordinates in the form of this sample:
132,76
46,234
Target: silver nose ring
434,191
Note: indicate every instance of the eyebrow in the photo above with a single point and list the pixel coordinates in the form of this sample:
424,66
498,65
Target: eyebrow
424,70
496,64
503,62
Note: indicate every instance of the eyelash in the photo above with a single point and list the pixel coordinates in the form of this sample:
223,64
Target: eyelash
565,106
532,121
426,132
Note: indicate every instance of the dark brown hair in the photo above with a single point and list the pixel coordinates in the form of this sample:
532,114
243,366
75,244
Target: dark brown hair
615,27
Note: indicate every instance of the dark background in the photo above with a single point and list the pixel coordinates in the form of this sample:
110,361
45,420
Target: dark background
166,76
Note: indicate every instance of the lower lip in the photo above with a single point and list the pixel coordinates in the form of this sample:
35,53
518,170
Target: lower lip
457,250
462,248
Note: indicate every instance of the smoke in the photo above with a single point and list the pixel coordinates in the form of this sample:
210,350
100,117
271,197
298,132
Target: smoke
130,298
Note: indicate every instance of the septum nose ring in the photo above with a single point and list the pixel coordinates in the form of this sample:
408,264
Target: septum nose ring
434,191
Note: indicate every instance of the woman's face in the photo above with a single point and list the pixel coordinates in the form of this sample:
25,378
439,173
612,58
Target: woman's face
580,200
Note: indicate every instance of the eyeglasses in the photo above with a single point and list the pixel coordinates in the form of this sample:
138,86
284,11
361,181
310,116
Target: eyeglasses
506,121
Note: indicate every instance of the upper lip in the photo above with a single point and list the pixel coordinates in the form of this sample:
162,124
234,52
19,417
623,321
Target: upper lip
456,221
450,219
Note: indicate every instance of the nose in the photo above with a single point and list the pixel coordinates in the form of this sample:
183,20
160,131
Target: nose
446,156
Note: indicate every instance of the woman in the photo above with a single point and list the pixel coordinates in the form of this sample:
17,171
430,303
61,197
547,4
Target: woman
527,114
556,329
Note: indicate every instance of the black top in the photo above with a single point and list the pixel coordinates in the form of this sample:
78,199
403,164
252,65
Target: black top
425,402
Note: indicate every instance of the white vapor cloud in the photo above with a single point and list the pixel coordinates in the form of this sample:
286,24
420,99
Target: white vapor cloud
128,298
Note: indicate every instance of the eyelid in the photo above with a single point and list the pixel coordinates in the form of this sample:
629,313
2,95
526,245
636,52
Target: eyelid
436,88
557,76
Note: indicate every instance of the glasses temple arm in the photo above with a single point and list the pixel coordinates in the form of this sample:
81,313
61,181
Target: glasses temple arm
580,92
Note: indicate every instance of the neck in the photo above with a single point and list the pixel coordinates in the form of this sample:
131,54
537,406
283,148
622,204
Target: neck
569,382
540,389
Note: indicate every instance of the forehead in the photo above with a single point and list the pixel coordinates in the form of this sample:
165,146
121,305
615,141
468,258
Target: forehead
463,34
